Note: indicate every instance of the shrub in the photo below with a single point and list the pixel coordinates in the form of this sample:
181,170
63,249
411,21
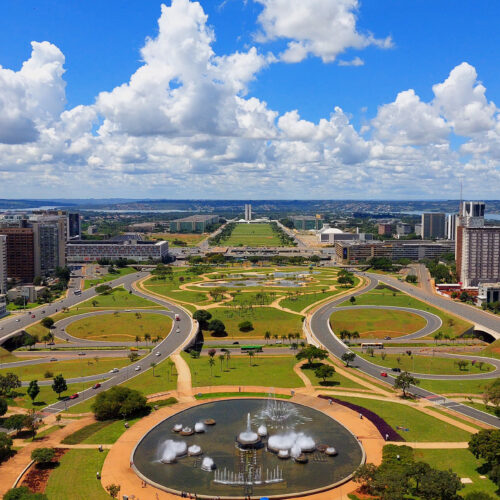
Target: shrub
245,326
5,446
43,455
48,374
23,493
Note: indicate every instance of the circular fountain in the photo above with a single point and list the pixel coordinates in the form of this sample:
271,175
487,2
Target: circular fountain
279,450
248,438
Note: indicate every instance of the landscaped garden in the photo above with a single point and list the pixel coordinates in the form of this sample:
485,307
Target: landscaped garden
121,326
118,273
258,370
178,239
252,235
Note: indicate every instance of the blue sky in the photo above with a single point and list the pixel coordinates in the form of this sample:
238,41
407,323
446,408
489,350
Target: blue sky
101,45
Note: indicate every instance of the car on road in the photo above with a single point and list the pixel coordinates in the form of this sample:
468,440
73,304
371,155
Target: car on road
74,396
383,374
137,368
43,312
177,317
397,370
236,343
178,330
82,354
53,359
114,370
17,320
387,338
96,386
51,343
158,354
128,310
32,315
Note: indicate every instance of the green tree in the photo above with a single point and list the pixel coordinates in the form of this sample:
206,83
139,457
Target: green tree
5,446
352,299
8,383
23,493
113,490
245,326
267,336
439,484
3,406
478,495
15,422
59,385
103,289
119,402
404,381
311,352
492,394
251,354
324,372
485,444
411,278
33,390
133,356
348,357
217,327
43,455
203,317
47,323
153,366
211,362
221,359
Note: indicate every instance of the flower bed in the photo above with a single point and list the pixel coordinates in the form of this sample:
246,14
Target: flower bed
382,426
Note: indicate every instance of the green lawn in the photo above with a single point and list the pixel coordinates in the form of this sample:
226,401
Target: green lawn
81,367
213,395
463,463
46,396
253,235
121,326
267,371
452,325
119,297
75,477
190,239
336,381
123,271
263,319
300,302
423,364
7,356
42,434
377,323
421,427
104,432
455,386
29,305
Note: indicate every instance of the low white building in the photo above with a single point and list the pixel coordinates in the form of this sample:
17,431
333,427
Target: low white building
29,292
488,293
330,235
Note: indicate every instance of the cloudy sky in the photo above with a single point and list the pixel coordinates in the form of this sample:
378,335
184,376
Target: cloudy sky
249,99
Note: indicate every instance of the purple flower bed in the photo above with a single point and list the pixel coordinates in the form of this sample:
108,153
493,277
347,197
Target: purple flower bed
382,426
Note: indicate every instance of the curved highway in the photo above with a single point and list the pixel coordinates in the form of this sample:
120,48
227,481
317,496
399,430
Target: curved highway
320,328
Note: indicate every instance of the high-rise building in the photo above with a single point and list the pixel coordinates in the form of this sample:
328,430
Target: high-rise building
403,229
248,212
3,264
20,253
74,228
385,229
477,247
451,226
433,225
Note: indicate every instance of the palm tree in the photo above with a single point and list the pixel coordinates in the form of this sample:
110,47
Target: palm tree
171,364
137,340
153,366
283,338
267,336
275,336
96,359
251,354
290,337
221,359
157,338
228,357
147,336
211,362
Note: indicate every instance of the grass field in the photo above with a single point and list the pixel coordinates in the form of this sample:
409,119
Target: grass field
213,395
72,368
121,326
377,323
268,371
252,235
75,477
452,325
421,427
7,356
122,271
336,380
455,386
302,301
424,364
190,239
262,318
46,396
463,463
103,432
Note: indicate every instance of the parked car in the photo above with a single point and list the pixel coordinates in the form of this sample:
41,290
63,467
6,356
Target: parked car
74,396
114,370
96,386
397,370
383,374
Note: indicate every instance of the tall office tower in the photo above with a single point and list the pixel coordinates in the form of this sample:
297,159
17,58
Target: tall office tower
248,212
3,264
477,247
20,253
451,226
432,225
74,229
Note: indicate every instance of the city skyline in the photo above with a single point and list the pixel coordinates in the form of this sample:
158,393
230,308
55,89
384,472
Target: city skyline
263,99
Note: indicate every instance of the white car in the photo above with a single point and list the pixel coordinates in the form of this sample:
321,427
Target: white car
114,370
137,368
17,320
158,354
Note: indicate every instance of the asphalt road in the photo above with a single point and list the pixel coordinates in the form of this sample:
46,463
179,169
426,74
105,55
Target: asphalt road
320,326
